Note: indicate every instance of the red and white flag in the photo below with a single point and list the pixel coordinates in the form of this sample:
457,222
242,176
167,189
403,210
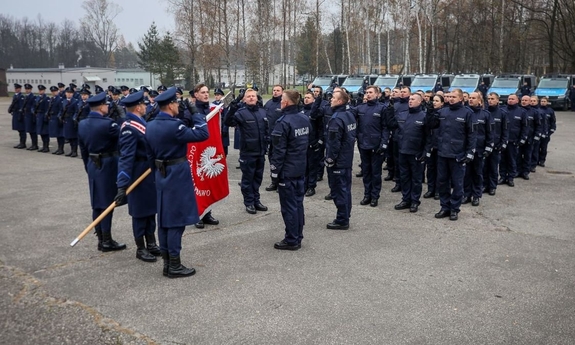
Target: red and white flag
208,164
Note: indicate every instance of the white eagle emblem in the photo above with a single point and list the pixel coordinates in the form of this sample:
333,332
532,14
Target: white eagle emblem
208,166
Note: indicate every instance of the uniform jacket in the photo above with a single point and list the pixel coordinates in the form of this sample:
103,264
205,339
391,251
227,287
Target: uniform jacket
253,125
167,139
500,126
316,129
290,138
483,130
321,110
341,137
225,129
413,131
273,111
99,135
550,119
133,162
55,128
69,108
517,123
41,107
456,138
533,123
372,131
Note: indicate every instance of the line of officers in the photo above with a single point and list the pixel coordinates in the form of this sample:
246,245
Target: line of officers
57,115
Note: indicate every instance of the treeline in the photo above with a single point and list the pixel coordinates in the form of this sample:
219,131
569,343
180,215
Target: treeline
26,43
414,36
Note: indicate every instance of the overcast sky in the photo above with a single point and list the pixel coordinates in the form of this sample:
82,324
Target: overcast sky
133,22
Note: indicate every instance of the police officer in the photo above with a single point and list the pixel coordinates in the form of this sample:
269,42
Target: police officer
133,162
500,135
98,140
40,110
341,134
168,139
483,88
413,131
98,89
314,152
399,105
152,108
572,97
537,139
201,93
125,91
473,181
273,112
218,94
455,148
73,87
30,117
525,90
62,90
252,123
70,130
533,134
431,161
161,89
17,110
551,125
290,138
116,110
517,118
372,139
321,111
83,107
55,128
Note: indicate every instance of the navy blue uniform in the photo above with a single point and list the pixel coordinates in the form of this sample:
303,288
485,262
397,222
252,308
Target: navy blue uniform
551,126
456,142
167,143
29,117
152,110
500,135
225,130
56,126
572,97
252,123
17,110
315,148
473,182
431,160
538,137
525,90
533,134
133,162
41,110
517,118
400,104
98,140
321,111
413,131
290,138
341,134
372,141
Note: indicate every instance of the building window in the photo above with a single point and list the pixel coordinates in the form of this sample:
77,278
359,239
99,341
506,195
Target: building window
74,81
131,79
105,80
49,81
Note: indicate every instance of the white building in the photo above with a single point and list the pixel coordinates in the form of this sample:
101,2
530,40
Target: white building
52,76
80,75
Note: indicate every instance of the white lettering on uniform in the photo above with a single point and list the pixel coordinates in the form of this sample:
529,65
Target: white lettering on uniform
351,127
301,131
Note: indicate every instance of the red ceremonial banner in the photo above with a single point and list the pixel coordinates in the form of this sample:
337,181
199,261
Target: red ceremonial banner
209,168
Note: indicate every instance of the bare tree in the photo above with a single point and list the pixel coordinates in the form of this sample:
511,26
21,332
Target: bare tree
98,25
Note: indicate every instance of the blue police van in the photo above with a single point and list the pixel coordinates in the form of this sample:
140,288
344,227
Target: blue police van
426,82
556,87
388,80
470,82
509,84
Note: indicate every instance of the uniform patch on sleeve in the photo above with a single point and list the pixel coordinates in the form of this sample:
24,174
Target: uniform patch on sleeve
126,132
182,126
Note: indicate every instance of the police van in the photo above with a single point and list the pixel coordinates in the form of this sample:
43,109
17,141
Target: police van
556,87
324,81
353,84
470,82
509,84
388,80
426,82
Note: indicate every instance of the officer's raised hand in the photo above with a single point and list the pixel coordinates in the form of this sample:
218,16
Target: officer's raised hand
121,198
467,159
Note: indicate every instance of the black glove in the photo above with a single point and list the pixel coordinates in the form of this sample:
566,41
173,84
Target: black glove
487,152
381,150
329,162
191,107
467,159
522,142
422,157
121,198
317,145
241,95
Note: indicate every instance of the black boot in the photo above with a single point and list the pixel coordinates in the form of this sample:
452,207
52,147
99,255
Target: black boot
166,259
74,152
99,235
60,150
152,246
142,253
109,245
177,270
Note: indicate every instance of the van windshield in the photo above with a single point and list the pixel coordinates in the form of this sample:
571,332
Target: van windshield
506,83
552,84
465,82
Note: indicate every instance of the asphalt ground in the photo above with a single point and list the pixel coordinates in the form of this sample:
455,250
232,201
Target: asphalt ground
502,274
